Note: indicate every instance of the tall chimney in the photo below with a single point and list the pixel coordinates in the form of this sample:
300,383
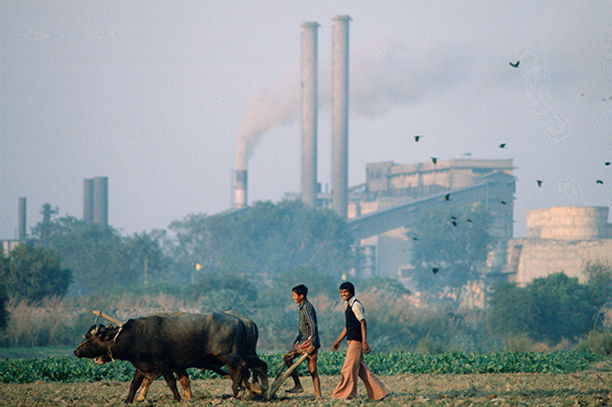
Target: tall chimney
309,112
340,66
22,219
100,200
240,188
88,200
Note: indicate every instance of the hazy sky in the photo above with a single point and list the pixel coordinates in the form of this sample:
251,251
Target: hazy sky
152,94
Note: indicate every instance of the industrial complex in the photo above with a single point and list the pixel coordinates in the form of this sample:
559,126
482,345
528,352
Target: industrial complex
380,210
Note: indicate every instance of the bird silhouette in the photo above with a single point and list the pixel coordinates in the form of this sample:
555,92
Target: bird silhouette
435,270
469,220
539,182
503,202
453,218
514,65
434,160
454,223
415,238
607,163
417,138
599,182
447,197
502,145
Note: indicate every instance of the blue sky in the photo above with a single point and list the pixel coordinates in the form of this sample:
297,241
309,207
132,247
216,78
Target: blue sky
152,94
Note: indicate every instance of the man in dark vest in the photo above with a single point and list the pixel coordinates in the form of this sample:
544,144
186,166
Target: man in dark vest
355,332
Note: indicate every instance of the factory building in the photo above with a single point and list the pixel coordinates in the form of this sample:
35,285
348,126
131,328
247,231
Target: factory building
381,210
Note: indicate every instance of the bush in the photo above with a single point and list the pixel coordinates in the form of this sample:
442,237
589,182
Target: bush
596,342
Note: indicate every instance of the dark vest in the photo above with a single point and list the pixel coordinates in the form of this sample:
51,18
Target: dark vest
353,326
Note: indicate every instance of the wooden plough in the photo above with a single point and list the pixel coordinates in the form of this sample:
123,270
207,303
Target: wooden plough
281,377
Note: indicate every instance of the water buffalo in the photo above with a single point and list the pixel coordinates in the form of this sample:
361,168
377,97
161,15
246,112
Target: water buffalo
160,344
249,353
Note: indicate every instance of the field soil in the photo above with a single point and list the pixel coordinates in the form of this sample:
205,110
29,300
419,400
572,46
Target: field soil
588,388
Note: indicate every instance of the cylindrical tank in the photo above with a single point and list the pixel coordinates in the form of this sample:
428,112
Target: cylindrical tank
340,88
88,200
568,223
22,219
100,200
309,112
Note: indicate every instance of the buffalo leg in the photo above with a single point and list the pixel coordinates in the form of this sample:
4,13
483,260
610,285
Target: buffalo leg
171,382
185,383
144,388
134,385
260,371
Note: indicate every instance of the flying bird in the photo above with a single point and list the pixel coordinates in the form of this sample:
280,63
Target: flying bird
453,218
435,270
503,202
469,220
599,182
539,182
514,65
434,160
417,138
454,223
502,145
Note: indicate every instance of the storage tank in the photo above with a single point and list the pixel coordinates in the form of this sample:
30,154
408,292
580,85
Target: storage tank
568,223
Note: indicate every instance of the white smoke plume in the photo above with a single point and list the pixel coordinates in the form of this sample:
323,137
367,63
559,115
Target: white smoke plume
395,73
269,107
382,76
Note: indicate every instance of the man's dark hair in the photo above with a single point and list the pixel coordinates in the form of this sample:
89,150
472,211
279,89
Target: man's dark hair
300,290
348,286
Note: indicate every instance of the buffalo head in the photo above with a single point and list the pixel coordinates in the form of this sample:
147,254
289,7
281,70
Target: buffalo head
96,344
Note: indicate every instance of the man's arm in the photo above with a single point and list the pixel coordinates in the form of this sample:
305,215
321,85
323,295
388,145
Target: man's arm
364,336
336,344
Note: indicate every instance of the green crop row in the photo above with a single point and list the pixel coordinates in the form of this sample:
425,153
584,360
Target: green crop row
330,363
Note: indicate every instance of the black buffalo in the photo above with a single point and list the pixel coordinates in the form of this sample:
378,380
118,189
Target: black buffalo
249,353
160,344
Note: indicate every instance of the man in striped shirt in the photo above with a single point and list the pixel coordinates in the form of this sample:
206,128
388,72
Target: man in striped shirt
306,341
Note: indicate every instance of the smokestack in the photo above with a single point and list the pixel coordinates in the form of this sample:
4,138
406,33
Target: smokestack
88,200
309,112
100,200
340,66
240,188
22,219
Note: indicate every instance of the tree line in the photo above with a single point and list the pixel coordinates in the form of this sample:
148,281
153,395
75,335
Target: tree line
251,258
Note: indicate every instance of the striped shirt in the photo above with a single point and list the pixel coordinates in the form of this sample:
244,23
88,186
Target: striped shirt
308,325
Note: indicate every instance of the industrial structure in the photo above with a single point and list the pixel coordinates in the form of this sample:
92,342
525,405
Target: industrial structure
382,210
309,113
560,239
95,200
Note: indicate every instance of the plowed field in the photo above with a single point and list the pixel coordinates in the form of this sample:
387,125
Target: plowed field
588,388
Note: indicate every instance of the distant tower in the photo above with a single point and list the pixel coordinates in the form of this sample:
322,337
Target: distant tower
340,85
88,200
309,113
100,200
47,211
22,219
240,188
